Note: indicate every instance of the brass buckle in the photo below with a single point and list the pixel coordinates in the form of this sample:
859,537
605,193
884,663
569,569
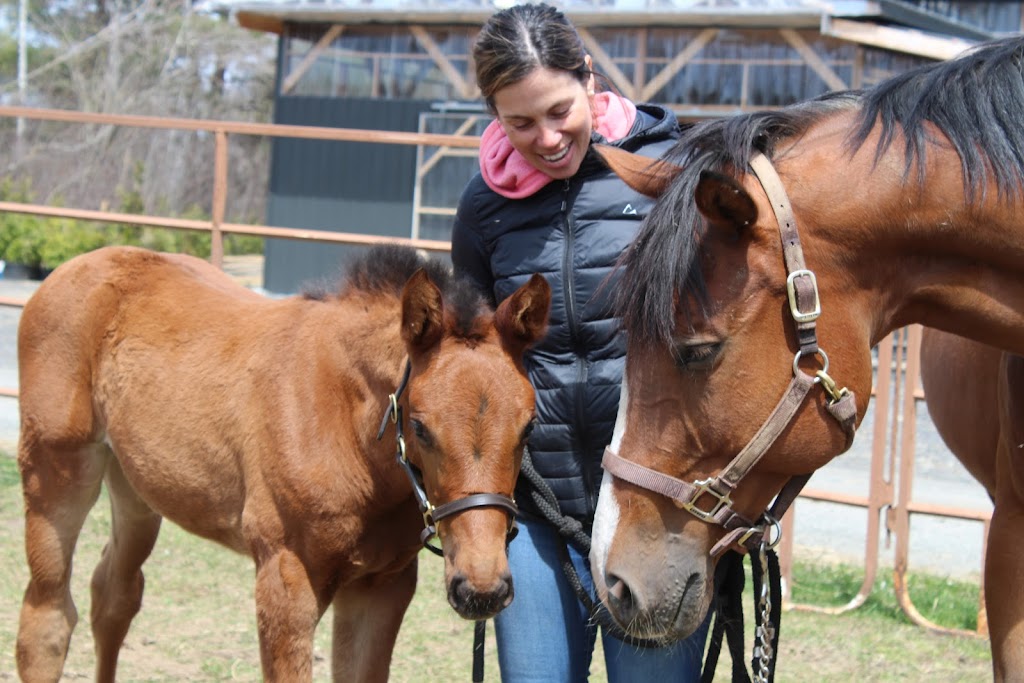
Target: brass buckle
797,314
704,486
428,515
831,388
768,540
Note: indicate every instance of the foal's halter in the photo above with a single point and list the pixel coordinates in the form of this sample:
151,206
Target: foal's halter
804,307
432,514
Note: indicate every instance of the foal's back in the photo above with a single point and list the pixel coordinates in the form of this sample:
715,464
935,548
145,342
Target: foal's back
191,379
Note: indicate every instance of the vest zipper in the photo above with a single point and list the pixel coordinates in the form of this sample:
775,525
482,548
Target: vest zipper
582,444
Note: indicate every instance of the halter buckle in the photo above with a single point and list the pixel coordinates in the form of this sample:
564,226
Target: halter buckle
794,309
703,486
831,388
428,515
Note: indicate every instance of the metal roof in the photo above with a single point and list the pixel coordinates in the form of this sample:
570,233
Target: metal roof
949,35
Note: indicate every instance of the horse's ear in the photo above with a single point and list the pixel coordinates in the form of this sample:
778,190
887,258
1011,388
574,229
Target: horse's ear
723,201
522,319
647,176
422,313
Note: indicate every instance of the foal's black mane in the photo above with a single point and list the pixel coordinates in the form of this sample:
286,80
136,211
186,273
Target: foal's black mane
386,268
977,101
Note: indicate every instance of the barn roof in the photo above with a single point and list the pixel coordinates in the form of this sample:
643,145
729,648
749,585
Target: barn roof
890,24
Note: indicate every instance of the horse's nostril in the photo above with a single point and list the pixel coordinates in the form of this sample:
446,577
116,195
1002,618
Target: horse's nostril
621,601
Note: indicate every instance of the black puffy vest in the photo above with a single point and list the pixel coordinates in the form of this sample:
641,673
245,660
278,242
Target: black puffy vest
571,231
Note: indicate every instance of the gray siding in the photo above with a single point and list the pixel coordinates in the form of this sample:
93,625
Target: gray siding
364,188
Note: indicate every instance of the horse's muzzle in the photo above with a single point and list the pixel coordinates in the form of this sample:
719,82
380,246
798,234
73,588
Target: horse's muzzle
473,602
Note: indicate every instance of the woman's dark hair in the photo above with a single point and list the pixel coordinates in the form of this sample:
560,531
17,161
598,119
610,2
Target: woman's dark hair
517,40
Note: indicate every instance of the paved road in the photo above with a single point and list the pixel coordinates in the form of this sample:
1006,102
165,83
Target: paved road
951,547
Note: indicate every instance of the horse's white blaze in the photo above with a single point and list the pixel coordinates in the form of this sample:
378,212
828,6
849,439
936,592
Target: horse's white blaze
606,517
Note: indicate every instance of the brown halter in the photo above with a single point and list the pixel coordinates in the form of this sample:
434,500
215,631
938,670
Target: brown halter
433,514
805,307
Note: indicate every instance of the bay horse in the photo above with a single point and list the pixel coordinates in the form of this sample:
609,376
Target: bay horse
253,422
975,396
783,246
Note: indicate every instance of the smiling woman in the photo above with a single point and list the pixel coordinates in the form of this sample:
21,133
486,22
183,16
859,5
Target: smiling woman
545,203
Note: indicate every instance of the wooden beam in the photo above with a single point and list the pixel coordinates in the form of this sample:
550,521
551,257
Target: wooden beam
444,151
395,137
608,67
677,63
298,72
813,60
453,75
903,40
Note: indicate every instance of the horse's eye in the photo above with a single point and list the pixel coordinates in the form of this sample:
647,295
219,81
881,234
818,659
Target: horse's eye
420,431
528,429
697,357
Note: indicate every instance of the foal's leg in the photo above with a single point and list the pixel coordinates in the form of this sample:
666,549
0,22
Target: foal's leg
117,582
367,615
287,613
60,487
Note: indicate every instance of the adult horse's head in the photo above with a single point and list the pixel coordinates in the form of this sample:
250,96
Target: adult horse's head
469,409
722,405
784,245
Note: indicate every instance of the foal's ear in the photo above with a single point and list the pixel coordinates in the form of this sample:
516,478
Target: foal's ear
647,176
422,313
522,319
723,201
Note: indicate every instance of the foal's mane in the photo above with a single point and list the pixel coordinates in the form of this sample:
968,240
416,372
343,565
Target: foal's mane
385,269
977,101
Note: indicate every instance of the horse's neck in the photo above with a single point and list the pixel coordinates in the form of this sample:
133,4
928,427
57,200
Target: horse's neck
918,251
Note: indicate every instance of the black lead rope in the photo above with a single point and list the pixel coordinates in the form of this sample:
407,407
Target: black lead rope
571,531
479,631
728,619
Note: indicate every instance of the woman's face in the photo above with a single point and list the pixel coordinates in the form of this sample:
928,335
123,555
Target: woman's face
547,117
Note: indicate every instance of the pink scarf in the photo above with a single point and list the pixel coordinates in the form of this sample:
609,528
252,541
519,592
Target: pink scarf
510,175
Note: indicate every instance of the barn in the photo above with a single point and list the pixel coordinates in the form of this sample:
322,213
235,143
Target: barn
405,65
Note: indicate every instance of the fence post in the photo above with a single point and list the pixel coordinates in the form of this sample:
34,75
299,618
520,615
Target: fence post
220,194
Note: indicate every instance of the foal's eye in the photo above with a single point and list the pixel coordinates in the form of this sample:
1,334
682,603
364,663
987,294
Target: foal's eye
697,357
527,430
420,431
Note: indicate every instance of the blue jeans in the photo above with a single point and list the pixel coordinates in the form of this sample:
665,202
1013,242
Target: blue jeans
546,636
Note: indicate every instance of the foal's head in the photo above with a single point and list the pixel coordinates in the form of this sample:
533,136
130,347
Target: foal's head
469,409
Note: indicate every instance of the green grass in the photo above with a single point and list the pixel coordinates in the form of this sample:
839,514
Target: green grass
946,602
198,623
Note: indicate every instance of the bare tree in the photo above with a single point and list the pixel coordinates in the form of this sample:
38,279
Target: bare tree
152,57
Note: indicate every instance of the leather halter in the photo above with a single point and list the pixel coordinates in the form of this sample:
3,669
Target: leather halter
804,307
432,514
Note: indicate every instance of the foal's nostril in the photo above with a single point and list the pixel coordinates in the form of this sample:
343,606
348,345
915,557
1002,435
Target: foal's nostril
473,603
621,601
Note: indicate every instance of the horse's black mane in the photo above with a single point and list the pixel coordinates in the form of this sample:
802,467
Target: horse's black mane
977,101
386,268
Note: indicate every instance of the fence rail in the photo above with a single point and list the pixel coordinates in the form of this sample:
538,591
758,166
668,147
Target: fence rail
216,226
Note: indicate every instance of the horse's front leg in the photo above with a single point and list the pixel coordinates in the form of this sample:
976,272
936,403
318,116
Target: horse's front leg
287,613
367,615
1004,591
1004,558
